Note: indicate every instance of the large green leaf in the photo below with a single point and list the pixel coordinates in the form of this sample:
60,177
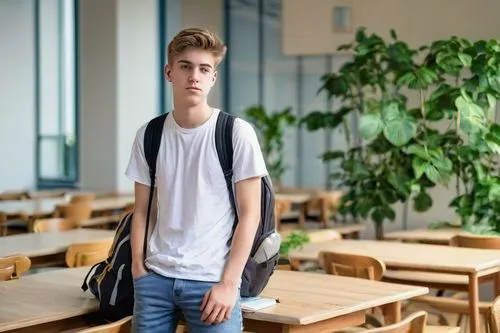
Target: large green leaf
443,164
400,131
391,112
419,166
494,81
465,59
370,126
422,202
472,118
494,193
433,174
417,150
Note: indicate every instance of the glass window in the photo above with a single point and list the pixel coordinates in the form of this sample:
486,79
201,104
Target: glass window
56,93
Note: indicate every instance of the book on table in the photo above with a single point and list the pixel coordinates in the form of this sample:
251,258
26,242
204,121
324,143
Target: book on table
256,303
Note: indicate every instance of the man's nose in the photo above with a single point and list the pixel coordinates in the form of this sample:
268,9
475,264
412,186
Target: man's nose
195,75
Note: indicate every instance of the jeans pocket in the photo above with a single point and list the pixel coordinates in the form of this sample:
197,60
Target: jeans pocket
142,277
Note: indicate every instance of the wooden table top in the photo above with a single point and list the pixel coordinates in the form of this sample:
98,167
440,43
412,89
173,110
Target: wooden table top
296,198
304,298
436,236
426,257
48,243
45,206
44,297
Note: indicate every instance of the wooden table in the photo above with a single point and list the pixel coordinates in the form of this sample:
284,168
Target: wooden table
308,302
473,263
298,199
45,206
49,246
46,302
427,236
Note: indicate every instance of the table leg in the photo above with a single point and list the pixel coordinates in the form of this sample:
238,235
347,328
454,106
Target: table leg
474,302
392,313
302,217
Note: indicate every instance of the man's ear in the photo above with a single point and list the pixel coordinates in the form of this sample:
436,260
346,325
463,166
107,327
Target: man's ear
214,78
167,71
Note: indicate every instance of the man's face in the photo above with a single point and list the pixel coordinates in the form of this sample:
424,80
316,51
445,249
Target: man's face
192,74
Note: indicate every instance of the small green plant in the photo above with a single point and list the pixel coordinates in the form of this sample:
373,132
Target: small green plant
293,241
271,128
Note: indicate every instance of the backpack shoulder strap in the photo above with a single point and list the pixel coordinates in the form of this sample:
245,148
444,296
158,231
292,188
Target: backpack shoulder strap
152,140
224,146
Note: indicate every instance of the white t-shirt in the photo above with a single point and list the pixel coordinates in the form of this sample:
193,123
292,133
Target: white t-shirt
195,217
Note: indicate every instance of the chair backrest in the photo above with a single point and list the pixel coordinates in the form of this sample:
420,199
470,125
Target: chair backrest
120,326
76,212
476,241
13,267
323,235
54,224
89,253
414,323
352,265
82,198
495,315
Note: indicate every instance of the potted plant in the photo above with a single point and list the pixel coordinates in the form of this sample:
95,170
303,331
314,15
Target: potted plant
294,240
271,129
401,152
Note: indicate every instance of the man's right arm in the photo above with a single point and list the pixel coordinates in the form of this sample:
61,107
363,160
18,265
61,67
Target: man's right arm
139,227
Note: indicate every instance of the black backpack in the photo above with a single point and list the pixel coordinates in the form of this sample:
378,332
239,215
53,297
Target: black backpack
112,283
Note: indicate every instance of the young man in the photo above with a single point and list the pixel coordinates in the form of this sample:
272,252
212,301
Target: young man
190,266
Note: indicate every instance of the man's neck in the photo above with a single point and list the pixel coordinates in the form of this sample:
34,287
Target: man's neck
191,116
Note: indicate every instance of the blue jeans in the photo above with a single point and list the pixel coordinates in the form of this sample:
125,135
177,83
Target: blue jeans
159,300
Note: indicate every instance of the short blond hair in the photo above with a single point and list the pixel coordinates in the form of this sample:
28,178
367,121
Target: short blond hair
197,38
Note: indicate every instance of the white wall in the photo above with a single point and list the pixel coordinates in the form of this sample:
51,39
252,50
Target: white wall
139,71
17,95
119,86
308,25
98,94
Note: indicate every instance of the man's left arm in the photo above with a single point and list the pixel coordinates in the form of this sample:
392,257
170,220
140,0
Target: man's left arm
218,303
248,167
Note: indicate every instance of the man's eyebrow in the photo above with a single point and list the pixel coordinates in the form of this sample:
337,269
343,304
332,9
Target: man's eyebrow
190,63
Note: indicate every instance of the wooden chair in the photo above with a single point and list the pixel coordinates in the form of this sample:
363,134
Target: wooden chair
414,323
82,198
13,267
75,212
352,265
495,315
84,254
53,224
458,303
476,241
121,326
